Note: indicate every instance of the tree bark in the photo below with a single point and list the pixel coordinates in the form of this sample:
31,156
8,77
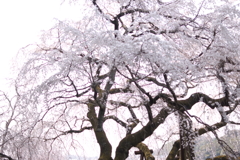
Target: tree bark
105,146
176,146
200,97
133,139
147,153
172,154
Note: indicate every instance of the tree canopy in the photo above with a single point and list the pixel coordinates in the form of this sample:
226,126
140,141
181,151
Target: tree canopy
131,66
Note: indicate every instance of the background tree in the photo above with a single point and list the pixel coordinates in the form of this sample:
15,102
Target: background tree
19,133
140,64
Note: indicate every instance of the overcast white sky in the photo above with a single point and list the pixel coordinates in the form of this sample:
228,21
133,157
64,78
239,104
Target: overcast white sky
22,22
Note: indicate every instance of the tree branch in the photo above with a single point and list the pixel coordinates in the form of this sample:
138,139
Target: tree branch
71,131
200,97
131,11
132,140
147,153
119,103
151,79
151,100
105,146
5,156
104,96
116,119
176,146
120,90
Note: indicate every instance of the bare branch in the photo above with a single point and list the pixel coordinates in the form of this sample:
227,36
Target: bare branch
116,119
5,156
70,132
151,100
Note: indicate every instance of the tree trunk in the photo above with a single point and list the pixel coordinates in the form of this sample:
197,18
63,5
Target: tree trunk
133,139
105,146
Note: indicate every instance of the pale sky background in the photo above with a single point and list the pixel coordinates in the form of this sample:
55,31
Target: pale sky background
22,22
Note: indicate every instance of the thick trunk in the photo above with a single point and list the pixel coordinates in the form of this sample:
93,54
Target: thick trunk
105,146
133,139
187,137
